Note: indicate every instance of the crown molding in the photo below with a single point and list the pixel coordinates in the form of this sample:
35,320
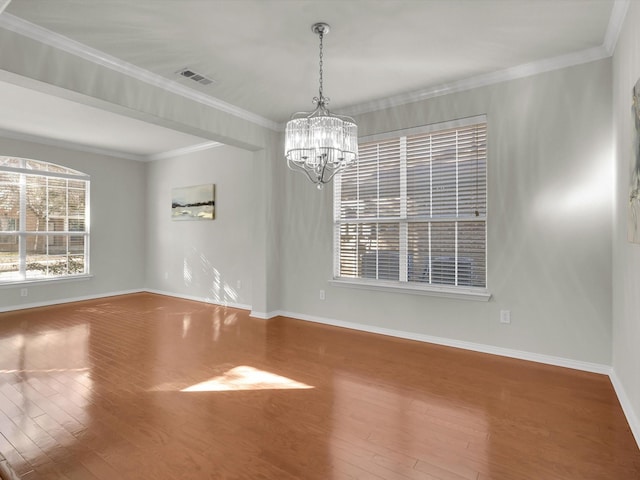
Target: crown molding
28,29
616,20
3,5
51,142
618,14
35,32
514,73
184,150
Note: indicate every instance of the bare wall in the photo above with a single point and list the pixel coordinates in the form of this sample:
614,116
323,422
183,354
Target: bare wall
205,260
550,173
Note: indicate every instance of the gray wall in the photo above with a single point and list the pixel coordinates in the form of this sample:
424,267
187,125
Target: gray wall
203,260
549,227
117,230
549,224
626,256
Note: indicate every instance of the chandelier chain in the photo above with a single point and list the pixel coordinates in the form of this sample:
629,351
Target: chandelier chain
321,33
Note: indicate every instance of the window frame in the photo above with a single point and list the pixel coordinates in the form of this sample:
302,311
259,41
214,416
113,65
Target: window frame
412,287
49,170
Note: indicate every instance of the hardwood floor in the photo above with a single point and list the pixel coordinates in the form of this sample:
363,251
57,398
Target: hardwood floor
150,387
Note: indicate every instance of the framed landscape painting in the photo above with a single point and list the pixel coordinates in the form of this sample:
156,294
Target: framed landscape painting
193,203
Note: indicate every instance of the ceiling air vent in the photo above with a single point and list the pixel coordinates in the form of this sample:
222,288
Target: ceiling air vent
195,76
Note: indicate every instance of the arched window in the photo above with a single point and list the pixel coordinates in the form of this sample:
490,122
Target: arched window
44,221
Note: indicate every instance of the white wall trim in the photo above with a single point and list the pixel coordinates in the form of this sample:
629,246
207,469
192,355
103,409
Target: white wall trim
39,34
616,20
514,73
460,293
3,5
59,301
213,301
476,347
184,150
51,142
627,406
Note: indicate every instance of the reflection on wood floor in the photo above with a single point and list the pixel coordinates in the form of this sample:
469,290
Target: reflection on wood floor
150,387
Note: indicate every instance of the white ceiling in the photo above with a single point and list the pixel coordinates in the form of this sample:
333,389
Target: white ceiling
264,57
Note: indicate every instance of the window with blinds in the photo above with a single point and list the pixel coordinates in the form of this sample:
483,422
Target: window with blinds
413,209
44,216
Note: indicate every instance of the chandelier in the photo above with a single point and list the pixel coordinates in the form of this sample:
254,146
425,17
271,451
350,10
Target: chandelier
319,143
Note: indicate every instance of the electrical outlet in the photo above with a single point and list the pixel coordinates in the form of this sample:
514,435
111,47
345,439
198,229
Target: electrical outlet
24,292
239,284
322,295
505,316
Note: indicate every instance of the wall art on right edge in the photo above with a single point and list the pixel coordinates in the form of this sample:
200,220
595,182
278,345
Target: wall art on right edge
633,215
193,203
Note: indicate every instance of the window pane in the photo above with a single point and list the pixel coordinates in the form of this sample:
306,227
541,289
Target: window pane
380,256
76,244
54,256
472,167
9,162
372,188
36,203
419,176
56,201
346,237
45,167
443,182
388,251
471,254
9,196
443,254
419,234
9,262
355,241
370,250
76,204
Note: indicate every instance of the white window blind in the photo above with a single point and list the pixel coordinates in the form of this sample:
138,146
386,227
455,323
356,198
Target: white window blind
414,207
43,221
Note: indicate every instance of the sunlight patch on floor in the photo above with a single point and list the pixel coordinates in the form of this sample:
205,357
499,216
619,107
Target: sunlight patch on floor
246,378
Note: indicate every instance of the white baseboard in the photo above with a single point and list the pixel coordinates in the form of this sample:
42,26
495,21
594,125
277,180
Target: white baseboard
627,407
476,347
263,315
59,301
210,300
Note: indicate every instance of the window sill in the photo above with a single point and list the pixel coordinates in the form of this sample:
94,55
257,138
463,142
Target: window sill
44,281
475,294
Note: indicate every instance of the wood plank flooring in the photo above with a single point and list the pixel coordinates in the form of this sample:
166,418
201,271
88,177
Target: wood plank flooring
150,387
